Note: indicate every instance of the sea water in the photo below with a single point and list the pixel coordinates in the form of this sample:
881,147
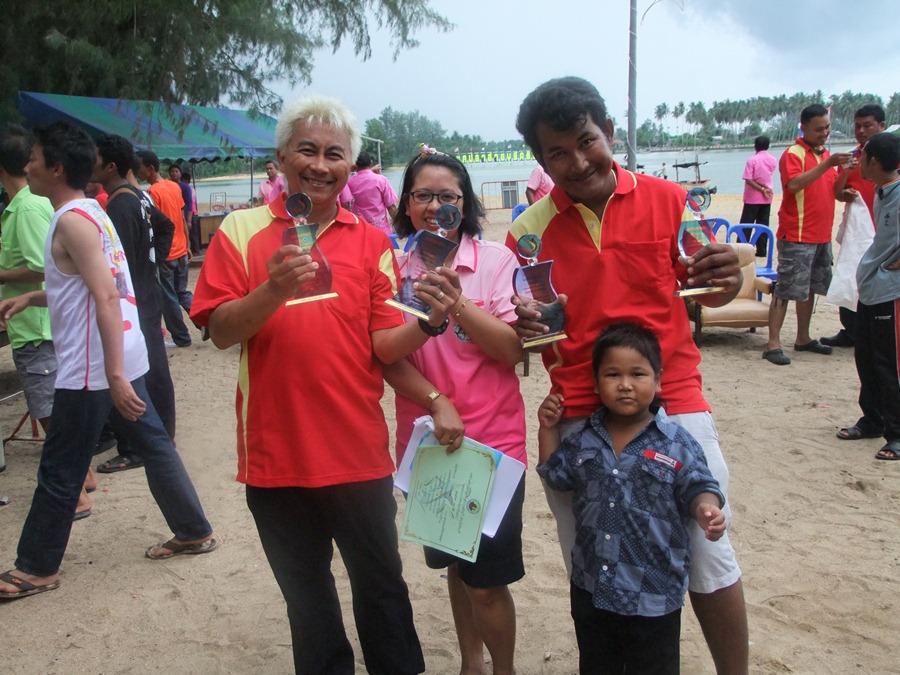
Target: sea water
722,167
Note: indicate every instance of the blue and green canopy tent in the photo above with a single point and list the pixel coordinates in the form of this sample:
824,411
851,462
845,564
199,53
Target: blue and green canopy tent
174,132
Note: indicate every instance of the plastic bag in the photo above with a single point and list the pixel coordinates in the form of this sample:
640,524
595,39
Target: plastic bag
855,235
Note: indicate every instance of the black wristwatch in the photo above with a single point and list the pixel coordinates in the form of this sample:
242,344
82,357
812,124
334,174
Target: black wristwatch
433,331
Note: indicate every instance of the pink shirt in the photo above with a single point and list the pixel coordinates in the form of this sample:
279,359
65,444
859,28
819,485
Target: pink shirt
484,390
760,168
540,182
268,189
372,195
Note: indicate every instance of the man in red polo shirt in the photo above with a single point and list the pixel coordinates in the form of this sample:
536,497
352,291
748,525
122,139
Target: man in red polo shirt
312,438
805,224
613,237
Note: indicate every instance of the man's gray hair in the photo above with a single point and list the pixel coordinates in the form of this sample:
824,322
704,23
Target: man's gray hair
315,109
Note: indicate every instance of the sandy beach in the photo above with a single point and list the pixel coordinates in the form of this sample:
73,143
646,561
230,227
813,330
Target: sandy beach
816,528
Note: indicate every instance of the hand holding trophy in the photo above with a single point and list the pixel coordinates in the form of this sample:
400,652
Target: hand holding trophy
427,252
694,234
303,234
535,291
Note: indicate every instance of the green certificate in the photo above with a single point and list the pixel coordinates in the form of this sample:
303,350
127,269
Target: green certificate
448,497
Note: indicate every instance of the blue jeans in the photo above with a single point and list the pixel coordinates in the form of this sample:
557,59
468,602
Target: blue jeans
158,381
78,417
173,279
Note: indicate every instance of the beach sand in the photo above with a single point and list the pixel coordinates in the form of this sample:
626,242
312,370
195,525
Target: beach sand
816,528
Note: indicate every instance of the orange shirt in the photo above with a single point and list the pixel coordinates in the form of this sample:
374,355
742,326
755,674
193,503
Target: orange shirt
167,197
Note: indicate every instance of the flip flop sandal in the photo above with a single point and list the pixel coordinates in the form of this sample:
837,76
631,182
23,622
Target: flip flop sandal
776,356
815,347
177,548
27,587
892,447
81,515
855,433
119,463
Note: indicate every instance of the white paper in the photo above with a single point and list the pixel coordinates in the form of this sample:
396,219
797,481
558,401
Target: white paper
509,473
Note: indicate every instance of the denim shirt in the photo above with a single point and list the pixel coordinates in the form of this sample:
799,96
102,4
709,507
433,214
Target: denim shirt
632,549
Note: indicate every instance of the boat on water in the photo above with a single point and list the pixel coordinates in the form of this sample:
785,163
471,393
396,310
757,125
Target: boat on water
698,181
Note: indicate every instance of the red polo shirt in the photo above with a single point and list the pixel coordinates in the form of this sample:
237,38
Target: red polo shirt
808,216
623,268
866,188
309,387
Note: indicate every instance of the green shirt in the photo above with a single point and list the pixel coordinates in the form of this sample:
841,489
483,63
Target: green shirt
24,225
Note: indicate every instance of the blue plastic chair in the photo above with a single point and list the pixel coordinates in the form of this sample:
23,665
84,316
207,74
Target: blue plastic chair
395,240
518,210
717,224
749,233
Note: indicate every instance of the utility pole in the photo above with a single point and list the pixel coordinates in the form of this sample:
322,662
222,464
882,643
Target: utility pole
632,89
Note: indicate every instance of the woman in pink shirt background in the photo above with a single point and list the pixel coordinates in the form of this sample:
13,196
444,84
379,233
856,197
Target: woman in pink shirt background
472,363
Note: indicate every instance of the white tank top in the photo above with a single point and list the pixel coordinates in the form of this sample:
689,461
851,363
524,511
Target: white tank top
73,312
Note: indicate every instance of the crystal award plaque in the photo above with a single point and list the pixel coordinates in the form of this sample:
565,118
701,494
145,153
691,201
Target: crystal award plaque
427,252
694,234
303,234
534,289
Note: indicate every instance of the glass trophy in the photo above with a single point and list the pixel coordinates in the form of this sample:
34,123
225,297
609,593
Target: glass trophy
694,234
534,289
303,234
427,252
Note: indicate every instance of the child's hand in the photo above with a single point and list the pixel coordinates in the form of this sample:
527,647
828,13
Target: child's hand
711,520
551,411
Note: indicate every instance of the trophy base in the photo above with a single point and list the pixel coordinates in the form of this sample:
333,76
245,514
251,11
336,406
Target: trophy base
311,298
702,290
541,340
407,308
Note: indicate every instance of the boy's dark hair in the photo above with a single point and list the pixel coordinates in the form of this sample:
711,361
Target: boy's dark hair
761,143
66,144
472,211
15,149
560,104
118,150
186,177
149,158
811,111
884,148
870,110
363,160
627,334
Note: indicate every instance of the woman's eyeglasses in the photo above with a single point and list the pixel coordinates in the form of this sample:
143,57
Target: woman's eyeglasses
426,197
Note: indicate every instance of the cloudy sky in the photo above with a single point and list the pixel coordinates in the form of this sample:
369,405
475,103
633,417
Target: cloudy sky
473,78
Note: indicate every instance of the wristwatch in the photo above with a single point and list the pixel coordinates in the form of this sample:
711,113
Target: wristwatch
433,331
431,398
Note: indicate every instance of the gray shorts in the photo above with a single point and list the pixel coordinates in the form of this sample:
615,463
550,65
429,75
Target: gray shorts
36,365
803,269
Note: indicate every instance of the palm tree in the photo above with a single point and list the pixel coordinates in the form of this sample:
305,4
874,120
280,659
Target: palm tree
677,112
661,112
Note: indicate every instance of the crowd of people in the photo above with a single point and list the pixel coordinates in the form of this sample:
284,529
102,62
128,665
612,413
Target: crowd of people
629,454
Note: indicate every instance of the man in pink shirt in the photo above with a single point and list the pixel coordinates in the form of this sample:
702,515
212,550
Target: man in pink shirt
374,199
273,186
758,189
538,185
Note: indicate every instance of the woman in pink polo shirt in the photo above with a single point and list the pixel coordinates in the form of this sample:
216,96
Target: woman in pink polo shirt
472,363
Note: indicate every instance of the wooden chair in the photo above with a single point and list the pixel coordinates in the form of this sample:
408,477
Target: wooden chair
746,310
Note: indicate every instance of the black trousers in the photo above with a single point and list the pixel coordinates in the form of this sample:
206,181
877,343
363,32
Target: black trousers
877,332
615,644
297,528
